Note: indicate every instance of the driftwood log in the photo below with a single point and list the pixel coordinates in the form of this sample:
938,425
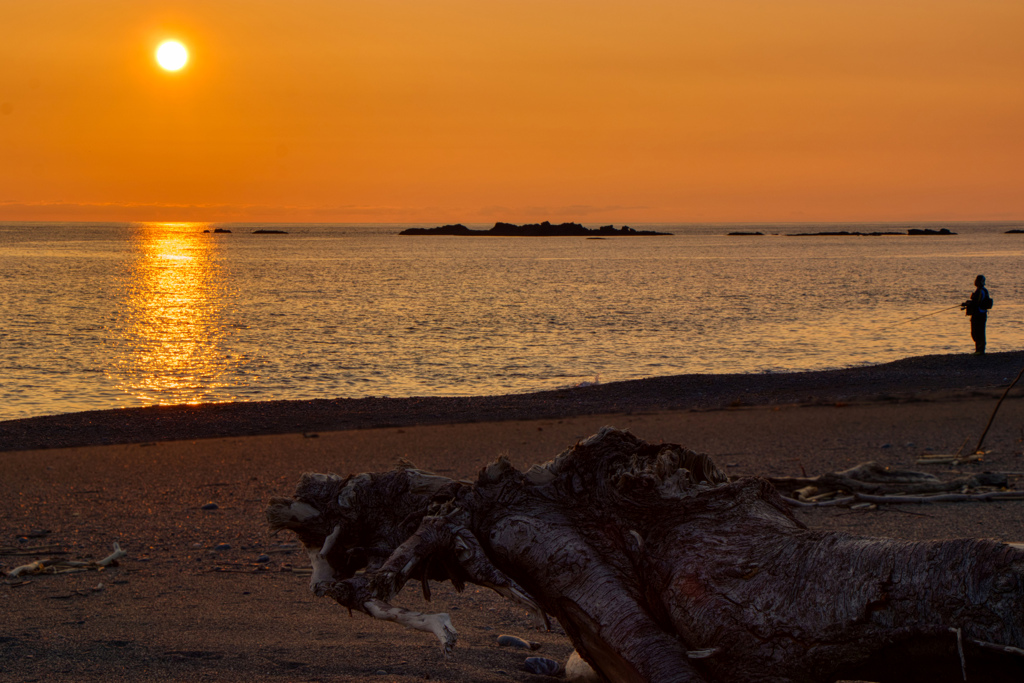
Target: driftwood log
661,570
872,478
869,483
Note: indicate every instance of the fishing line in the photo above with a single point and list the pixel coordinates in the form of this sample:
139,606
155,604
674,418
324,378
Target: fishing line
926,315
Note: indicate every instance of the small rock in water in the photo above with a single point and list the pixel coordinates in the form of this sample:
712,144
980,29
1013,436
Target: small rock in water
515,641
380,672
263,559
222,546
210,506
542,666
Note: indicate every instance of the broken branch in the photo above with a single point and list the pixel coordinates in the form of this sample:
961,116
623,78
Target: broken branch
61,566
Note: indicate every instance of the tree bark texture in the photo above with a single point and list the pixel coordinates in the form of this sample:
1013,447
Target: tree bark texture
661,570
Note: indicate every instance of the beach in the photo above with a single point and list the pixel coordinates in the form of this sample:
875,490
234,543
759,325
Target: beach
191,601
426,249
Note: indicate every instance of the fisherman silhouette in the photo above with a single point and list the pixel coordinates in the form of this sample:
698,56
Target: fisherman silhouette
977,307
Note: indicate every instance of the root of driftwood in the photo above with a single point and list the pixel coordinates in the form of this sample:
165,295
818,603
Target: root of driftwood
438,624
62,566
660,569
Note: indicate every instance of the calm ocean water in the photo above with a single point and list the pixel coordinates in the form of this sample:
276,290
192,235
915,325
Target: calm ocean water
102,316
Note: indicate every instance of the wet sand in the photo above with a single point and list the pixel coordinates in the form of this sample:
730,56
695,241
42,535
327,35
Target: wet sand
178,608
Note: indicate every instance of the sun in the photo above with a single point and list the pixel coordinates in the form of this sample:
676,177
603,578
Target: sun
171,55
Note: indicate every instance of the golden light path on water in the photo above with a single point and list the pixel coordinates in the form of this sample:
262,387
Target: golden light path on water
169,339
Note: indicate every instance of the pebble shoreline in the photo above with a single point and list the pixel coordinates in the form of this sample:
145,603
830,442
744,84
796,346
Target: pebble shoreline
898,380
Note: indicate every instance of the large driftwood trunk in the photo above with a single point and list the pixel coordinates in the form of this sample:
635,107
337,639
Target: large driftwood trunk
660,569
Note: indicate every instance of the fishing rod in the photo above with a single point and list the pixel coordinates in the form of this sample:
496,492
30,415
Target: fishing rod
977,449
927,314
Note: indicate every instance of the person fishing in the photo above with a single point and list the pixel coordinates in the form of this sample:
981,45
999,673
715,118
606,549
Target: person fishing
977,307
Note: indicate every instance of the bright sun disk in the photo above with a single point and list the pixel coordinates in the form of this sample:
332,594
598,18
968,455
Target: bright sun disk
171,55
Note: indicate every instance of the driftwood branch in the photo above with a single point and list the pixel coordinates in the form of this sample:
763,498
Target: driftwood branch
32,550
874,484
62,566
438,624
870,477
897,499
943,497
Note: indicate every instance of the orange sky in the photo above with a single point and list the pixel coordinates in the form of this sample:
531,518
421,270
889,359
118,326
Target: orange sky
484,110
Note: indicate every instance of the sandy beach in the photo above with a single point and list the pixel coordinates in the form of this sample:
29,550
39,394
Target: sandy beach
191,601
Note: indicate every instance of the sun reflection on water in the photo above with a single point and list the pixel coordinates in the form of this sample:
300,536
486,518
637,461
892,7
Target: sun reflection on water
170,331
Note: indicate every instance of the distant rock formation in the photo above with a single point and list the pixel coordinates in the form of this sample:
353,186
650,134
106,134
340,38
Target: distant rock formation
847,233
842,233
929,231
740,233
545,229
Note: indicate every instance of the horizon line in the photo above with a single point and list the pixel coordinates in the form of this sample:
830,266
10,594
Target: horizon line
897,221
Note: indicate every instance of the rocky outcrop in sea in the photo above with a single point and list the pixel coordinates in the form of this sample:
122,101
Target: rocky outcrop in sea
545,229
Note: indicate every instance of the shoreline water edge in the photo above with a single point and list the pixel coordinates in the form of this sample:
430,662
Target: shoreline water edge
901,380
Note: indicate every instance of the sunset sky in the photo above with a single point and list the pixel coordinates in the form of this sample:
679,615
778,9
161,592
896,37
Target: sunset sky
482,110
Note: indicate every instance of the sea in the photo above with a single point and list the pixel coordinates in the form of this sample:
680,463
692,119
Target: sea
112,315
